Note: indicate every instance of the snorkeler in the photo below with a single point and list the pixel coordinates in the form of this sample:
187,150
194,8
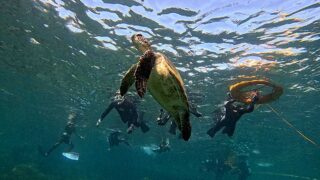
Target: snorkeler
115,140
65,137
162,120
232,116
164,117
164,146
127,109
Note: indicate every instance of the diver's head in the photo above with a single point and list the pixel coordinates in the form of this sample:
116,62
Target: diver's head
140,43
132,97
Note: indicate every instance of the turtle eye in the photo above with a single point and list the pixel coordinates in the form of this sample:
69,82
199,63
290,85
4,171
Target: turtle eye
140,38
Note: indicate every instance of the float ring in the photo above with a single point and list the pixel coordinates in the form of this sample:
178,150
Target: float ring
238,94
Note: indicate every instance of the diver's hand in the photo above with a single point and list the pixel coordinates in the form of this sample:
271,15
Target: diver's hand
98,122
255,99
256,96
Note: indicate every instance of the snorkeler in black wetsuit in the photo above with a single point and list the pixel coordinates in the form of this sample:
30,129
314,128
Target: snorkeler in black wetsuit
164,117
115,140
65,137
232,115
127,109
164,146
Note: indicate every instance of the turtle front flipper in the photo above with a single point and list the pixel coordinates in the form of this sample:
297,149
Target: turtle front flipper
143,71
128,80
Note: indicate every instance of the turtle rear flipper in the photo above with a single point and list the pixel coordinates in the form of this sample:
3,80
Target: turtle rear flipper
128,80
185,126
143,71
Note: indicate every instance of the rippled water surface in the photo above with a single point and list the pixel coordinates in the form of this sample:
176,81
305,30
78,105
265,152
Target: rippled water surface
58,56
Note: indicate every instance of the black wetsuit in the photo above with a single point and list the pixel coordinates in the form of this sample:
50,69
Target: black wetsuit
64,138
128,113
114,139
231,117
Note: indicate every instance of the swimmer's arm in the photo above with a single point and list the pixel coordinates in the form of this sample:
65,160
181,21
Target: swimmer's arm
105,113
248,109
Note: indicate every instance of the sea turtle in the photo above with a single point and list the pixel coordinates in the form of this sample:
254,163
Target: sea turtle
157,73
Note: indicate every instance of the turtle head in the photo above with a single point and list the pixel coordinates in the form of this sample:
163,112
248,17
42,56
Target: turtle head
140,43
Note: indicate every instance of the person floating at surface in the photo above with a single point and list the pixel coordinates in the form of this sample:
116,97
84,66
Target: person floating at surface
127,109
115,139
232,115
164,146
69,129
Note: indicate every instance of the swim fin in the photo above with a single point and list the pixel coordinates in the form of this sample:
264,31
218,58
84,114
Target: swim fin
71,155
211,132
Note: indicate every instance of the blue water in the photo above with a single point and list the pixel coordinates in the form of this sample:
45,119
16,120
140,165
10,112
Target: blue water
58,56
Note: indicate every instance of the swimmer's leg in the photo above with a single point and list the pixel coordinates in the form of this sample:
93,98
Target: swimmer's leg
173,128
229,130
144,127
130,128
211,132
142,124
52,148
